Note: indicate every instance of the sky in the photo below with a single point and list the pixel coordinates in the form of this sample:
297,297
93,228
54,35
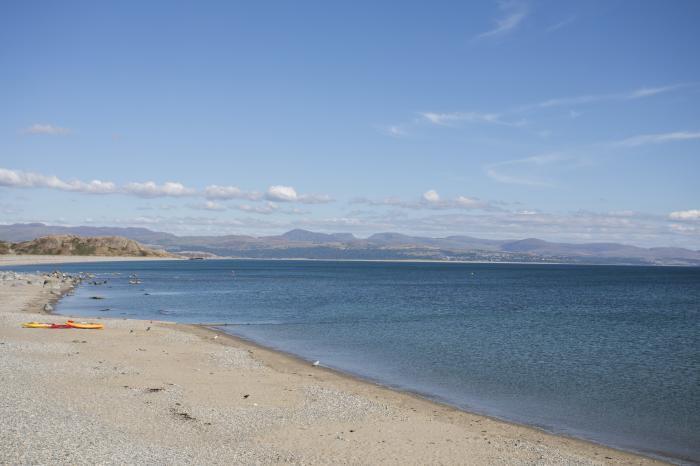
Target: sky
561,120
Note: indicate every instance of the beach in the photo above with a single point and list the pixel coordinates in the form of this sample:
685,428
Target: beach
157,392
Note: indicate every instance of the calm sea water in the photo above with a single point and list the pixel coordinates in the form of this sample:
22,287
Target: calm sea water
610,354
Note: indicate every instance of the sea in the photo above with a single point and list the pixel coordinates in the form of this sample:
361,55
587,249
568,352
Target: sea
606,353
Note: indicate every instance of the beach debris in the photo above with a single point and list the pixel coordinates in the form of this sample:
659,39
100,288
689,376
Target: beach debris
154,390
316,363
104,310
48,307
246,396
216,336
148,328
182,415
78,341
97,297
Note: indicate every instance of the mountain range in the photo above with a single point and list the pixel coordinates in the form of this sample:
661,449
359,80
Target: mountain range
390,246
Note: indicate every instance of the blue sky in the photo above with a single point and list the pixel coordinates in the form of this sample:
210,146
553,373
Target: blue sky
571,121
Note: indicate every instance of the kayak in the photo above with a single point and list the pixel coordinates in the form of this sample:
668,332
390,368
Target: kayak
44,325
84,325
36,325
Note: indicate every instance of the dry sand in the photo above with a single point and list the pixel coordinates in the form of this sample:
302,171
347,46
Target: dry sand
147,392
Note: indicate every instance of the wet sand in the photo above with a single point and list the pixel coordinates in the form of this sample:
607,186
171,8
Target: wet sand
156,392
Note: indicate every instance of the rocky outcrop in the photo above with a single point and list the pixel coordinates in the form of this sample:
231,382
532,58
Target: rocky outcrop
73,245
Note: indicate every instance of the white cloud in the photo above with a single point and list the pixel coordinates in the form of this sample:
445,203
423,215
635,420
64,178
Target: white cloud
431,196
446,119
151,189
441,118
650,91
430,200
469,202
693,214
451,119
658,138
515,12
20,179
581,99
591,98
268,208
46,129
508,117
229,192
281,193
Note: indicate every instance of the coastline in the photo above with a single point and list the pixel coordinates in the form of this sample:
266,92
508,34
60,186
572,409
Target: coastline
440,261
355,413
9,260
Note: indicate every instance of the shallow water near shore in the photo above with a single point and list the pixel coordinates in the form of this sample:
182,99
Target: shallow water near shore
611,354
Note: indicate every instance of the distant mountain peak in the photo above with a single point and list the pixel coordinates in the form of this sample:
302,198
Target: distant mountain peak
299,234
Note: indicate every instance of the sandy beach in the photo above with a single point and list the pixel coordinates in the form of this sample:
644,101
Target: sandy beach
151,392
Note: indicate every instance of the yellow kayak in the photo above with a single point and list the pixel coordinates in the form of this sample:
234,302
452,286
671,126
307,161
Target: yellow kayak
36,325
85,325
44,325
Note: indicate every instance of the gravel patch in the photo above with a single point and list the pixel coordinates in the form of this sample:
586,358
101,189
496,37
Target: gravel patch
234,358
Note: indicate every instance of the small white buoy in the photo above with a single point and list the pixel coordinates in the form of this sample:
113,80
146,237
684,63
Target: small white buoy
316,363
